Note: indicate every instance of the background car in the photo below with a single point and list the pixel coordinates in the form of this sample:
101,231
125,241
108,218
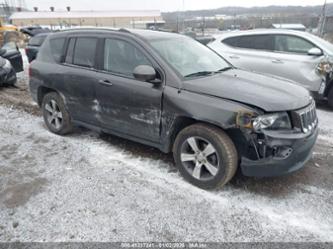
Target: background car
34,30
34,45
7,73
11,52
298,56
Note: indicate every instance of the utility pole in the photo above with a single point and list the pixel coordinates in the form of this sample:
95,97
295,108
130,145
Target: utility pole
183,23
6,9
322,20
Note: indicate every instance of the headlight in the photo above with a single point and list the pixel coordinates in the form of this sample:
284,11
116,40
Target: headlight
276,121
325,67
7,65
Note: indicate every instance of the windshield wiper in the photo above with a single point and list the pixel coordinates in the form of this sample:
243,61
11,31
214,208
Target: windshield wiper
206,73
224,69
201,73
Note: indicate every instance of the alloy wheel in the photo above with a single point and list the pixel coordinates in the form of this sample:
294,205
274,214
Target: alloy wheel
54,115
200,158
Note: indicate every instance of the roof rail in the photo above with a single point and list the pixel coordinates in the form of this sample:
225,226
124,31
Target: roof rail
124,30
87,28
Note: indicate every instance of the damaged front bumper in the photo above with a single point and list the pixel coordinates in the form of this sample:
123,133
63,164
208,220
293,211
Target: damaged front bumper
291,152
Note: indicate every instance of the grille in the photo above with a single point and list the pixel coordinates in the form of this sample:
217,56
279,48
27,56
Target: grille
307,118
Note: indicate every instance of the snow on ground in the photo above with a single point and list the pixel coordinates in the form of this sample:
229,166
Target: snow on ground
23,77
326,124
86,188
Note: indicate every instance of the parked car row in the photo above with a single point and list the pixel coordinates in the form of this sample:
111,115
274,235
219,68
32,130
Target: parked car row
173,93
10,63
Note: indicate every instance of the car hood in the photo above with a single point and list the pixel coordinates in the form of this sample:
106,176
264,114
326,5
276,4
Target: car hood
266,92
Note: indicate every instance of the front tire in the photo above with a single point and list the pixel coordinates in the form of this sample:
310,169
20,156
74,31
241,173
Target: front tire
205,156
56,117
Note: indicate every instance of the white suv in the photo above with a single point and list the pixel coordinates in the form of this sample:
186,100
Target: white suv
298,56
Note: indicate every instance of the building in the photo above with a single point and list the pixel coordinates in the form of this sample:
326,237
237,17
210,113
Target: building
63,19
292,26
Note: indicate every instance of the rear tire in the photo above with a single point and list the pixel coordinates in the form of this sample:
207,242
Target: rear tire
330,98
56,116
205,156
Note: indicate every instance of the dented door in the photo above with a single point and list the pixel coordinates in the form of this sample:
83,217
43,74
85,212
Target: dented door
127,105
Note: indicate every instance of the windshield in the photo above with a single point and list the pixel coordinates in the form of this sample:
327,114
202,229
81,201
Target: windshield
189,57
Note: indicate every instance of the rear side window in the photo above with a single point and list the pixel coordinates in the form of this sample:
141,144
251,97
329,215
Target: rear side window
57,47
258,42
84,52
292,44
36,41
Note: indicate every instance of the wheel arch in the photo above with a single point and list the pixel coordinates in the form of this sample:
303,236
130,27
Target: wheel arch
43,90
182,122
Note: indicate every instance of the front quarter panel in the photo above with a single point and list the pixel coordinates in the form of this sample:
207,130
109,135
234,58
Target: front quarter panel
180,104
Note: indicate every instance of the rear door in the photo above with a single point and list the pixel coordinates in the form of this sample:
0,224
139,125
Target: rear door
80,78
251,52
291,61
127,105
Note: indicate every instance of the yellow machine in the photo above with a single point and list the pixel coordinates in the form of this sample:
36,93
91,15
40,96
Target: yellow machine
8,33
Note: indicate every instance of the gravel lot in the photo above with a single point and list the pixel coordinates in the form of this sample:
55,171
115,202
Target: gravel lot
91,187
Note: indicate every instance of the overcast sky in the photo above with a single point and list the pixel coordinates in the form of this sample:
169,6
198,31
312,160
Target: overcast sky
163,5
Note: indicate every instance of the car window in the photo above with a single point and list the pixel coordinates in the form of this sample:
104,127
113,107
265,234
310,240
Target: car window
189,57
36,41
259,42
85,51
122,57
292,44
57,46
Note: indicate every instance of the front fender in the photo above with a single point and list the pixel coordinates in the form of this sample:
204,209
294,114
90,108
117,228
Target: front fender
195,107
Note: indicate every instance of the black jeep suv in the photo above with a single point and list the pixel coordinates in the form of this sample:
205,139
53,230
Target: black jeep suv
171,92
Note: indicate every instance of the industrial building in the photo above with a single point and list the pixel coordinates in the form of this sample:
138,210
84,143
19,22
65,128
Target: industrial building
63,19
292,26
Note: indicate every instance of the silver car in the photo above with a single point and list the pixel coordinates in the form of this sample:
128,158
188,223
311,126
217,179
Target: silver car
299,56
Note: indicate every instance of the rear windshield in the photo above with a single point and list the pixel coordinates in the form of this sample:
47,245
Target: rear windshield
37,41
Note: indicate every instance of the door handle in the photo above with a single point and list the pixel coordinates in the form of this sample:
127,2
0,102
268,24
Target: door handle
277,61
105,82
234,57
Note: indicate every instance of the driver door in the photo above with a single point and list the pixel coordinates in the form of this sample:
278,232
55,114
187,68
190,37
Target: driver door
127,105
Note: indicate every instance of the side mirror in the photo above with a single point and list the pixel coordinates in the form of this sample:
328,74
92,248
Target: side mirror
315,52
2,51
145,73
